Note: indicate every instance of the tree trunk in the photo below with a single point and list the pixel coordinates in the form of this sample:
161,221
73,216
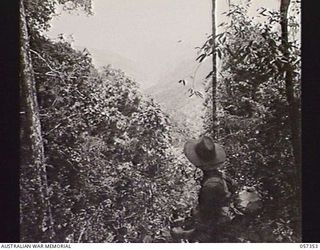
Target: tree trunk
293,103
214,74
36,223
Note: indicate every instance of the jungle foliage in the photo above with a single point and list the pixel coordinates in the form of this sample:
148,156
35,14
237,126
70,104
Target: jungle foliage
113,172
253,118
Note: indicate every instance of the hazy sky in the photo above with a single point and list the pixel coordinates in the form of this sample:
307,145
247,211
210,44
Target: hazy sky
141,36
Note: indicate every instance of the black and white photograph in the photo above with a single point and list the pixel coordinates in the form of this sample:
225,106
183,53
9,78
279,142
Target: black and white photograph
160,121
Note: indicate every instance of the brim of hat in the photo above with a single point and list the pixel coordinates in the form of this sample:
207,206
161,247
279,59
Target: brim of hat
190,153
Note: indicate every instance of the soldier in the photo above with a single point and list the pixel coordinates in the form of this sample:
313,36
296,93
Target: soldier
209,217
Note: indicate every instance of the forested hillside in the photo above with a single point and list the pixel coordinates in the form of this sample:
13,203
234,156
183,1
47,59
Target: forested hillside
102,140
187,111
102,161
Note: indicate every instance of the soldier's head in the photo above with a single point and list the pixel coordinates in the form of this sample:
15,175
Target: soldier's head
204,153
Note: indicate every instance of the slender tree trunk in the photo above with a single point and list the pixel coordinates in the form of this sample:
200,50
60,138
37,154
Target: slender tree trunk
214,74
293,103
35,214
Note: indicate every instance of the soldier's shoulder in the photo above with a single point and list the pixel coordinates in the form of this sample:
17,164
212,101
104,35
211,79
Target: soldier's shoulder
214,181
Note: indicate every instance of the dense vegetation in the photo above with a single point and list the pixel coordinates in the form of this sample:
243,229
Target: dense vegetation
109,161
113,171
253,119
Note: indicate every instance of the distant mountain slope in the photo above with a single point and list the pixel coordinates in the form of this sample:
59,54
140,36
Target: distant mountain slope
174,96
185,112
